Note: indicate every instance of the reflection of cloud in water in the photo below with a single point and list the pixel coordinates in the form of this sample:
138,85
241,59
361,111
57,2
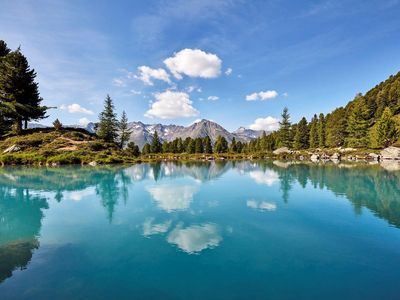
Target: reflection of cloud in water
266,206
150,229
195,238
268,177
79,195
172,197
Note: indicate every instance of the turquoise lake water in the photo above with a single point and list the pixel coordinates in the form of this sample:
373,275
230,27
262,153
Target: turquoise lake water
229,230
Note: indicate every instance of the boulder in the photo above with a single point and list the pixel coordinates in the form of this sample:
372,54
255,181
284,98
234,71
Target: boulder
13,148
335,156
390,153
314,157
282,150
93,163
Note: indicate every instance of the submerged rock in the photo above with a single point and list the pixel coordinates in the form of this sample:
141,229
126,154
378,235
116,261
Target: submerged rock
390,153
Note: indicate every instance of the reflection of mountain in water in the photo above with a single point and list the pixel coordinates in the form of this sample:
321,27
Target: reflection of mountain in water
202,171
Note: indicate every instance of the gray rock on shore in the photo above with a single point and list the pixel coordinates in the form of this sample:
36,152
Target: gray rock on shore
391,153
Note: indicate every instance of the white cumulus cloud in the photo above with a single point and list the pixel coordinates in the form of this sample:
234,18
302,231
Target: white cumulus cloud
76,108
228,71
268,124
147,74
83,121
170,105
266,95
213,98
194,63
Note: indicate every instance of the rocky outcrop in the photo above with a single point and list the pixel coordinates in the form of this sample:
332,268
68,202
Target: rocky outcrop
13,148
391,153
282,150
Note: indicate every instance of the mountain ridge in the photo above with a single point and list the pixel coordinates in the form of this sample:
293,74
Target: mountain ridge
142,133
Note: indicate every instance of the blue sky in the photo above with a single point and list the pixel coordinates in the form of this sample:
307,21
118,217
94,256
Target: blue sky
179,61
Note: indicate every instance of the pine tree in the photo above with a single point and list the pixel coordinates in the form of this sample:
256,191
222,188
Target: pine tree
4,50
191,146
386,130
124,132
314,138
336,124
132,149
199,145
146,149
321,131
301,137
156,146
207,145
108,124
358,125
19,94
233,146
57,124
221,145
5,123
284,131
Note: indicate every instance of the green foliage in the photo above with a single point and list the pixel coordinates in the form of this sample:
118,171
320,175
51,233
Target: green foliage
199,145
132,149
386,130
20,100
321,131
358,125
156,146
336,125
221,145
284,131
108,124
124,132
207,145
314,139
301,138
57,124
146,149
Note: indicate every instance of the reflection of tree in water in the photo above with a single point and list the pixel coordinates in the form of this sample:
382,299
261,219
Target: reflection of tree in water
20,222
110,187
365,186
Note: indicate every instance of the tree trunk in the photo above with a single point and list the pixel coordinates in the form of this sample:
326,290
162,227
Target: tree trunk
26,124
18,126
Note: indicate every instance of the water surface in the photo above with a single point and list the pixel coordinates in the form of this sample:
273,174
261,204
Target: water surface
230,230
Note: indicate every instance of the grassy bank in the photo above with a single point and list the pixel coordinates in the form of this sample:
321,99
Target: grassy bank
69,146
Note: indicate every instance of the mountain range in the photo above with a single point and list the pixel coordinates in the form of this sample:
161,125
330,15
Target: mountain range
143,133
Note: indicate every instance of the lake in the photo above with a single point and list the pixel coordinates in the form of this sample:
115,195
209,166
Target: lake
223,230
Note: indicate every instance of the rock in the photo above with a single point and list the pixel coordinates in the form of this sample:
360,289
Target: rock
335,156
55,164
93,163
390,153
13,148
314,157
282,150
374,156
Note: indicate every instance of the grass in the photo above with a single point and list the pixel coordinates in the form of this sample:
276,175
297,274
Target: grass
66,147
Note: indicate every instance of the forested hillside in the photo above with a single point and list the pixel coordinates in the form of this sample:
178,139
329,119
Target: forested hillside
368,121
